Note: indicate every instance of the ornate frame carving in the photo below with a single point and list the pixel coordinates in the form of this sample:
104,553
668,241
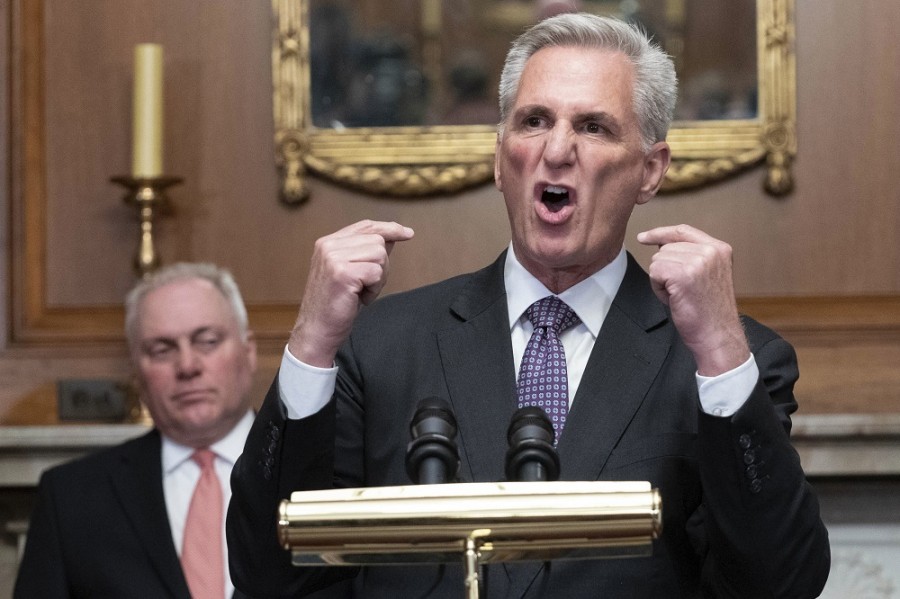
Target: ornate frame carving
415,161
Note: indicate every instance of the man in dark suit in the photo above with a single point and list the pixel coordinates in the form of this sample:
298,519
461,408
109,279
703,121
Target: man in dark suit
112,524
665,381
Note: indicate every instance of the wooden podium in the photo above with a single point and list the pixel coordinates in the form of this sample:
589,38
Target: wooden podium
475,523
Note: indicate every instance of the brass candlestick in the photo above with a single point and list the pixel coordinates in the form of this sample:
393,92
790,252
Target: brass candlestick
148,195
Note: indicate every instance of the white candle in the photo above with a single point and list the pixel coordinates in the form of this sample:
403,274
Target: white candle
147,121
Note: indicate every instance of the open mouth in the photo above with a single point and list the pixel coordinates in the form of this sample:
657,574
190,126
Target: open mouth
555,198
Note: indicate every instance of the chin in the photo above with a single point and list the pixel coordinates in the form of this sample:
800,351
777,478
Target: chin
551,252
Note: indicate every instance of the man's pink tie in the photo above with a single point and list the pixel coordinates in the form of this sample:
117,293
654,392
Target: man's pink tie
201,553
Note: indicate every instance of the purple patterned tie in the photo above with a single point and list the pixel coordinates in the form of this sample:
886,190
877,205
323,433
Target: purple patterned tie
543,378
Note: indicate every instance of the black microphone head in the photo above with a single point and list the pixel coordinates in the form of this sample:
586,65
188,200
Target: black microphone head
531,456
432,456
433,415
530,422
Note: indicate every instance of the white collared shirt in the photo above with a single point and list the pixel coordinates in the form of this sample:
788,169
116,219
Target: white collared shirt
180,476
590,299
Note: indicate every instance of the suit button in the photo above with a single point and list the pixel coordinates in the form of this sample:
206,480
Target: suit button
755,486
749,457
266,470
752,471
745,441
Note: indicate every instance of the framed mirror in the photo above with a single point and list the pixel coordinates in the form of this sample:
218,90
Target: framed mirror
398,97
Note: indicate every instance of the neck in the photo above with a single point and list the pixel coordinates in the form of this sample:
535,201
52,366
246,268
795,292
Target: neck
558,279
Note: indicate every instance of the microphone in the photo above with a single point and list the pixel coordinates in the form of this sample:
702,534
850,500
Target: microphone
432,457
531,456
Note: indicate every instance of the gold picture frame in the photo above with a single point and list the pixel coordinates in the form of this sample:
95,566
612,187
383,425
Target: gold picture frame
418,161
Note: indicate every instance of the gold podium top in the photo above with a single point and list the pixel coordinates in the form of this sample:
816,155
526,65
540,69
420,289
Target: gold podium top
511,521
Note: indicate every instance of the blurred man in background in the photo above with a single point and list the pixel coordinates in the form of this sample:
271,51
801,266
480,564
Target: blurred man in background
145,518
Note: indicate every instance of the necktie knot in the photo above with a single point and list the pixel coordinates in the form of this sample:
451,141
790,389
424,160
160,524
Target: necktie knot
552,312
204,458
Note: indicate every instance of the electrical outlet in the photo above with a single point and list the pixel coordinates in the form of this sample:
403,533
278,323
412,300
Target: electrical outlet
92,399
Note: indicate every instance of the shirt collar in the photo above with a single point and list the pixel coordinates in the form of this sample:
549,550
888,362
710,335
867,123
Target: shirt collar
228,448
590,299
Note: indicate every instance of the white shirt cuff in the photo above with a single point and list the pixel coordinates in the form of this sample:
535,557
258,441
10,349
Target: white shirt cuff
723,395
304,389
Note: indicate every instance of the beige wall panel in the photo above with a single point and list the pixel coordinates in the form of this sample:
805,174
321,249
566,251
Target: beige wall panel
217,135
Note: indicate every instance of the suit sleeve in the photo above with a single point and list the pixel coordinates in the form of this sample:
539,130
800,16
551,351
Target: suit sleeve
760,518
280,456
42,569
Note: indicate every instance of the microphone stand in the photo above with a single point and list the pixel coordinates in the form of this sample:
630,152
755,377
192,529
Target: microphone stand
472,563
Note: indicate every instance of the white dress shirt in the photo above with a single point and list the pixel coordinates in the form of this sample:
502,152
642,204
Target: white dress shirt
305,389
180,476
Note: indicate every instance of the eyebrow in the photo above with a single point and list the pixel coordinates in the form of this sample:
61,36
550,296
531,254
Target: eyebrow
532,109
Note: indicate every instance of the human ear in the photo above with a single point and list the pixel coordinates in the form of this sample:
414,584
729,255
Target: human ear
656,163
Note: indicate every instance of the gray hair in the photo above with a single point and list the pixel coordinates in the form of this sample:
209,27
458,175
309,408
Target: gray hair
220,278
655,85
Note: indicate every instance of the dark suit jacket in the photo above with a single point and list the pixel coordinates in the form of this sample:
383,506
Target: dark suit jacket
100,529
739,518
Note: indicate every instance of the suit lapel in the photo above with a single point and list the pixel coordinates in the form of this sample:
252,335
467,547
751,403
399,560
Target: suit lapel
476,356
623,365
137,481
477,359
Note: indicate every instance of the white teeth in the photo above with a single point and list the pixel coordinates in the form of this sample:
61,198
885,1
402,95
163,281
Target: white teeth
555,189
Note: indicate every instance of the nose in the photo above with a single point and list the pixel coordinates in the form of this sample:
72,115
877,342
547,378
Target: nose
560,149
188,365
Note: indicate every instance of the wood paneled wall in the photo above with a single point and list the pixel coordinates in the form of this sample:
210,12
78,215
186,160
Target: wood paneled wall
821,265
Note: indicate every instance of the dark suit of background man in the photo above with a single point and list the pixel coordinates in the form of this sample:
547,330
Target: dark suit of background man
111,524
667,382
